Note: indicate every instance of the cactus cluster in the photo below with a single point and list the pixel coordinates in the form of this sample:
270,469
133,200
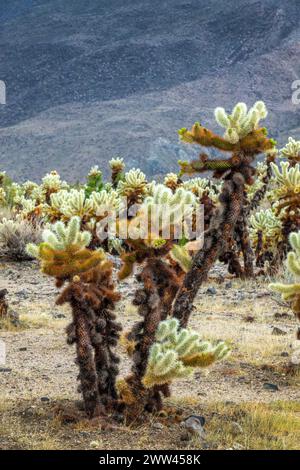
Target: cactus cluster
133,186
266,235
291,151
291,292
156,230
64,252
285,197
177,351
241,121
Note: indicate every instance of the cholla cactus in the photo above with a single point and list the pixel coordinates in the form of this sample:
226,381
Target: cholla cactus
29,188
159,282
115,244
51,183
171,214
90,293
288,179
94,181
133,187
266,236
240,122
117,167
242,134
2,176
266,222
105,201
2,197
172,181
291,151
182,257
75,203
263,176
63,253
228,232
291,292
177,352
286,196
197,186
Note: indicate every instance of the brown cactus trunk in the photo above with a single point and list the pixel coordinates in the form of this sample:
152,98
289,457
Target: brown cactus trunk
87,369
160,285
3,304
216,241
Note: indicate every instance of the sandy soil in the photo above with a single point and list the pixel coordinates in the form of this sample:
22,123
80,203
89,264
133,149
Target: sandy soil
40,373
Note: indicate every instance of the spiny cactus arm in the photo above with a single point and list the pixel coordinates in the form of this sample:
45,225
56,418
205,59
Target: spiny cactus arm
129,259
206,355
255,141
199,166
293,262
181,255
117,164
74,266
163,367
167,329
291,151
295,242
291,292
288,291
63,252
205,137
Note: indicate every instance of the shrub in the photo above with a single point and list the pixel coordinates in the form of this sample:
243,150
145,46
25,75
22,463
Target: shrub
15,235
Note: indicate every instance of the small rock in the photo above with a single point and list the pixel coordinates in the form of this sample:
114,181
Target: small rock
228,285
158,426
271,387
211,291
249,319
284,354
23,293
278,331
194,425
22,349
45,399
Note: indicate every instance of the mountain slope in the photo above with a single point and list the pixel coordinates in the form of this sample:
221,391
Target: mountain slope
87,81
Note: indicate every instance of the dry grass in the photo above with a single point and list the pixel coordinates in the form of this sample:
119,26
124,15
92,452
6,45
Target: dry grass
274,426
232,392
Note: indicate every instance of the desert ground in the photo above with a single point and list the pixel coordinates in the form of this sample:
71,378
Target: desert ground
249,401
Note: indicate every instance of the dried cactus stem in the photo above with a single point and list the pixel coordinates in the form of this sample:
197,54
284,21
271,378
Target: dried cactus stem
260,193
106,361
85,360
216,241
3,304
242,233
160,285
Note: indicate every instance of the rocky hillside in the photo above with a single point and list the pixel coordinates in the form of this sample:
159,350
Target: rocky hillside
90,80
